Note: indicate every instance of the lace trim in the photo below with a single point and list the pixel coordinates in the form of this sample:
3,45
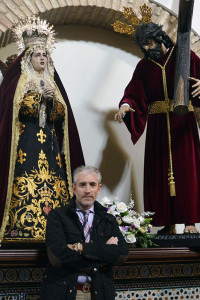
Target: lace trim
33,77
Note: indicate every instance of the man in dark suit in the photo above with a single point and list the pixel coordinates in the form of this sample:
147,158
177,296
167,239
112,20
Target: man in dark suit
83,242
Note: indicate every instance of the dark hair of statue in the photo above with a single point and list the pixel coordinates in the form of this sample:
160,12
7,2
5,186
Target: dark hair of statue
151,31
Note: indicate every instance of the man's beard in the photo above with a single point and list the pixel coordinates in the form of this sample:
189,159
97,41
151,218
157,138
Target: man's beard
154,54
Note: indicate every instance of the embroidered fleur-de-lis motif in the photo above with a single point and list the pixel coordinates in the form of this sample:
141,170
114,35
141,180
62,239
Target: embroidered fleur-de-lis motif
41,137
21,156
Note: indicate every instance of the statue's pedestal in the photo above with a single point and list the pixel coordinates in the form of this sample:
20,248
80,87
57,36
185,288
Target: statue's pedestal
21,270
148,273
162,272
178,240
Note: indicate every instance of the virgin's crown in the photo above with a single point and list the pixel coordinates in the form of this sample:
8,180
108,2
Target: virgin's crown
33,31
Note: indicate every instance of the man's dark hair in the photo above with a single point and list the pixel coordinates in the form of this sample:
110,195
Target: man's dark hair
146,32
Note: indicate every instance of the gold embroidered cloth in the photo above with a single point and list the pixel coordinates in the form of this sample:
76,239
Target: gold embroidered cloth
39,180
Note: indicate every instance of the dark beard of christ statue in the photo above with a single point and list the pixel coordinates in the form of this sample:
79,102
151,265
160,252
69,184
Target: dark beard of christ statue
154,54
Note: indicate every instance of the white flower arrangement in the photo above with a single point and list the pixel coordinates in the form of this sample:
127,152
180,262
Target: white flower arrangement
134,226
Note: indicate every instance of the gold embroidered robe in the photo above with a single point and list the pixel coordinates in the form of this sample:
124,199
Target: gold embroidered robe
40,183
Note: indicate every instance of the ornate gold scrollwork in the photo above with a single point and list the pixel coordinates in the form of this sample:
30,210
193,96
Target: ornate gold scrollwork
34,195
58,158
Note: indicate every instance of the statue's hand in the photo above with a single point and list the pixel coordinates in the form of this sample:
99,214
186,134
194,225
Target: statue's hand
196,87
123,110
49,92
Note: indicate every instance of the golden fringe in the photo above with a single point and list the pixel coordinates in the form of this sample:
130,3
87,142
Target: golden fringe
66,142
13,150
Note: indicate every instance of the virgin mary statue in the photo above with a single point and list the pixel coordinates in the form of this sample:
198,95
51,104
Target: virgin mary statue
39,140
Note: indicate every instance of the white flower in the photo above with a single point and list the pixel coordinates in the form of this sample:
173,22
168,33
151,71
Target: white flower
106,201
111,210
141,219
147,213
128,219
130,222
121,207
131,204
133,214
130,238
136,223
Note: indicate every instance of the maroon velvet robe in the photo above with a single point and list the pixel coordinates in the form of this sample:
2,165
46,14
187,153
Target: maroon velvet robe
7,92
145,87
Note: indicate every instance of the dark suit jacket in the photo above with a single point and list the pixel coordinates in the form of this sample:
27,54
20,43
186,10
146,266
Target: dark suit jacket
64,227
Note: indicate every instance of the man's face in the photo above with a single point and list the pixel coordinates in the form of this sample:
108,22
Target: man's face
153,50
86,189
39,60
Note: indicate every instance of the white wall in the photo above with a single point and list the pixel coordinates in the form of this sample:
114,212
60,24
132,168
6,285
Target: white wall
98,66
